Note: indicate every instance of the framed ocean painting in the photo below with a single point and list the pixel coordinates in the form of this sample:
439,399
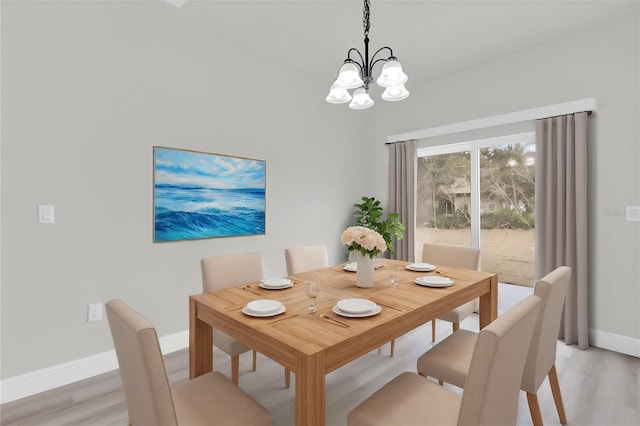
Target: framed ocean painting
197,195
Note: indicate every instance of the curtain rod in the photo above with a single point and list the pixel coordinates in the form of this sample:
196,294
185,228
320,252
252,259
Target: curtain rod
580,105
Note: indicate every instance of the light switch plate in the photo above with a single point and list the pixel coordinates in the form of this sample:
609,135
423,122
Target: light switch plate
633,213
45,214
94,313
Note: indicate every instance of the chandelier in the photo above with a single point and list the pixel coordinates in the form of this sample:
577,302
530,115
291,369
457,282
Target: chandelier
357,74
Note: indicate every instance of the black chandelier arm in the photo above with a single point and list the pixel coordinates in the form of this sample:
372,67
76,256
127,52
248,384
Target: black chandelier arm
373,61
362,61
379,60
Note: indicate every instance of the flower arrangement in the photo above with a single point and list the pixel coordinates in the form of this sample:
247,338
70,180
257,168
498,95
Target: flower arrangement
369,214
366,241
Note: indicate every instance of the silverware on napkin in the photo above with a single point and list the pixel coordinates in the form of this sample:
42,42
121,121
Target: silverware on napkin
251,290
335,321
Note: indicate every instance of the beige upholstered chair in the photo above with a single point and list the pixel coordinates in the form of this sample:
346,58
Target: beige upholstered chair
210,398
450,359
307,258
490,396
227,271
456,257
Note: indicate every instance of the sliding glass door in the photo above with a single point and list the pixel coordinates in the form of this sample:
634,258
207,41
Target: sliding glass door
481,193
443,205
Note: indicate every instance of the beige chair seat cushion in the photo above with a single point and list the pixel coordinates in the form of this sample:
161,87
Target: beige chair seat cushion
461,312
408,400
213,399
450,358
227,344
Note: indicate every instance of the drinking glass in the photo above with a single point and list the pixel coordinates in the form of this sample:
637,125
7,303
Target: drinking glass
312,289
394,276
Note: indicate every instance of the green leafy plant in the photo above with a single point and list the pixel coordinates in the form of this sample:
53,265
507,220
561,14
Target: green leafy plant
370,215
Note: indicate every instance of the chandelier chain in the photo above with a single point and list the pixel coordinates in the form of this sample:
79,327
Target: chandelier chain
365,17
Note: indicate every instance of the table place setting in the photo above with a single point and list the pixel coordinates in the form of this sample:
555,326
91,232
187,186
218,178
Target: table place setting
356,308
421,267
263,308
434,281
275,283
353,266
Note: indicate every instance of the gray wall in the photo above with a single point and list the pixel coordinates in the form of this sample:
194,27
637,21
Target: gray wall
602,63
88,89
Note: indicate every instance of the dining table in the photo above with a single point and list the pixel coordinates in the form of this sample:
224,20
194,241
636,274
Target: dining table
313,344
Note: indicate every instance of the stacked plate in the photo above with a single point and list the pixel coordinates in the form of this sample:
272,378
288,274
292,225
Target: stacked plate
356,308
434,281
421,267
263,308
276,283
353,266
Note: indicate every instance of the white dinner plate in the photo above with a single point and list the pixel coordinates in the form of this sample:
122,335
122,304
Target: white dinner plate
353,266
434,281
276,283
421,267
280,287
374,311
356,306
249,312
263,306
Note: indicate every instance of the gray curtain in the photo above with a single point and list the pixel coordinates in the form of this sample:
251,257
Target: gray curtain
561,214
402,194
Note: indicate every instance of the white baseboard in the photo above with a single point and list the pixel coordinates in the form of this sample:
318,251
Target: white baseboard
38,381
614,342
42,380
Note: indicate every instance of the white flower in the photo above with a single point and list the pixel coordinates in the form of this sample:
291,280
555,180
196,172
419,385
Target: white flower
364,240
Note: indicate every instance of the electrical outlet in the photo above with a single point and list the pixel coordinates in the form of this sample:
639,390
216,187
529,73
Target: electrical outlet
94,312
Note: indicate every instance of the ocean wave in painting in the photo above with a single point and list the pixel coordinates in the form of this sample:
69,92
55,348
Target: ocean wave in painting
184,212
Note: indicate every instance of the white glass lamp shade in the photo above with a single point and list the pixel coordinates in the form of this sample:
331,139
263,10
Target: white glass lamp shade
361,100
395,93
391,75
338,95
348,77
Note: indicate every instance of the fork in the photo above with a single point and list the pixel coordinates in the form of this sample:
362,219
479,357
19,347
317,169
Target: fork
343,324
251,290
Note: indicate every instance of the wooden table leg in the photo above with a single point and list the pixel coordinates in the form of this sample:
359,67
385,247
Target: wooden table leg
200,343
489,304
310,390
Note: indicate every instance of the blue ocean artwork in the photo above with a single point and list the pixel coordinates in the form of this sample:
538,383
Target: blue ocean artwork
199,195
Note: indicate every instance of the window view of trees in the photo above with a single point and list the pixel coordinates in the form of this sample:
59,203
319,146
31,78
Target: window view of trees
507,180
506,201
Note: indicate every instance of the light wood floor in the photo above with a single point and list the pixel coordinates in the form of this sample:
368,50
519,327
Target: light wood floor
599,387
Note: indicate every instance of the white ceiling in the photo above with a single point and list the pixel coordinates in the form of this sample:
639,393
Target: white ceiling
429,38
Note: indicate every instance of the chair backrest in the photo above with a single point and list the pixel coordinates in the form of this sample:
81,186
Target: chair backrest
144,378
308,258
231,270
552,290
449,255
492,388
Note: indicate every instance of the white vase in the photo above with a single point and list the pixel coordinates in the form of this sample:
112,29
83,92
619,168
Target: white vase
364,272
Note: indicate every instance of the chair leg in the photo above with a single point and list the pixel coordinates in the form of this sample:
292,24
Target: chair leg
287,378
534,409
393,346
235,368
433,330
440,382
456,326
255,355
557,395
